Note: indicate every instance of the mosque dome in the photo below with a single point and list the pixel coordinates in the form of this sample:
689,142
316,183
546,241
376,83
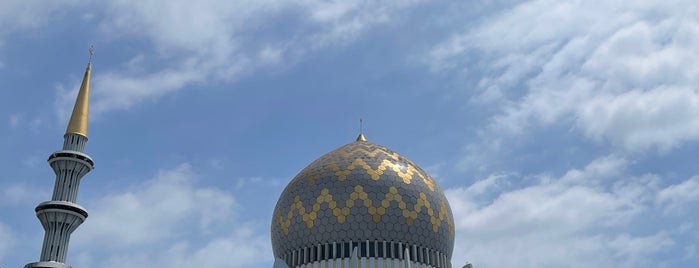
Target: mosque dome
366,196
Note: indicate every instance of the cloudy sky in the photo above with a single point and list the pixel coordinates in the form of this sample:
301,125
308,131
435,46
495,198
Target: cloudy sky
564,133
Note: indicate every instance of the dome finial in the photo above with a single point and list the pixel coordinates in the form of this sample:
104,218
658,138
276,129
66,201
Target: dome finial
78,119
361,131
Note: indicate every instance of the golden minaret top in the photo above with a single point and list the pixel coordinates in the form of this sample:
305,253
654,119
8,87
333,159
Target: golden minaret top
78,119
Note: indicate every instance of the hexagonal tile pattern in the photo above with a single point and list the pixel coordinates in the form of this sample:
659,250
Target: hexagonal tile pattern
362,192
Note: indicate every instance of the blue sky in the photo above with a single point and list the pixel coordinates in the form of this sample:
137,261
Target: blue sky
564,133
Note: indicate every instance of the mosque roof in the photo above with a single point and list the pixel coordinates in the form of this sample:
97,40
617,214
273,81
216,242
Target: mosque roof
358,192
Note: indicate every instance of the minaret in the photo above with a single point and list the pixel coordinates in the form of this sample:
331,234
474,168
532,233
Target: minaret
61,216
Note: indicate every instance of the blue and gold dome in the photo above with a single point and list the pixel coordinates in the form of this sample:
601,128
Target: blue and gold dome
367,196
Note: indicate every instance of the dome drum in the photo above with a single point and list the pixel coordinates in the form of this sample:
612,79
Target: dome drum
367,250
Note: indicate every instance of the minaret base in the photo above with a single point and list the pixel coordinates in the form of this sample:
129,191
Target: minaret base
47,264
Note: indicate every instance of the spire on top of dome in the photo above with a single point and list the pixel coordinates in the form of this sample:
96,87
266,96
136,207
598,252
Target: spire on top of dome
361,132
78,119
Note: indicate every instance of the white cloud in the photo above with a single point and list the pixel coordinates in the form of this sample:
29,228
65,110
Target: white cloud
14,120
117,91
195,43
675,196
599,170
619,72
690,251
243,248
634,247
639,120
247,182
19,193
553,207
569,221
7,240
155,210
489,185
20,15
180,224
215,40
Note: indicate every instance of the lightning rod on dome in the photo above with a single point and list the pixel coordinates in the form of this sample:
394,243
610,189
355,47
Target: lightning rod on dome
361,131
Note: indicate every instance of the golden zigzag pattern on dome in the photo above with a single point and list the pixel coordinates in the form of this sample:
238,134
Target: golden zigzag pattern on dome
372,153
375,174
376,212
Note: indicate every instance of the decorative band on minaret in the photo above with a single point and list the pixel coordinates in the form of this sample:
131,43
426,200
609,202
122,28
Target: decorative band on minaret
62,215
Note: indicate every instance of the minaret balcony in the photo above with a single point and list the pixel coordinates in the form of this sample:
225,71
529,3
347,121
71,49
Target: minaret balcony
69,212
47,264
72,156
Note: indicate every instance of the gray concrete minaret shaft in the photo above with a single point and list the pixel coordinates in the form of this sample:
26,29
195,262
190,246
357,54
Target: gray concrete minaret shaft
61,216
